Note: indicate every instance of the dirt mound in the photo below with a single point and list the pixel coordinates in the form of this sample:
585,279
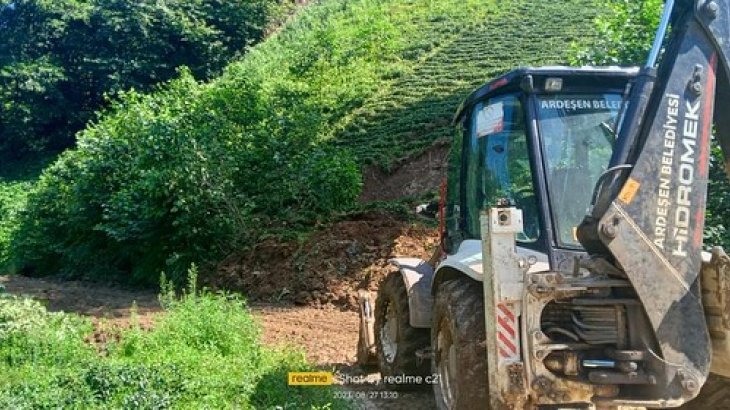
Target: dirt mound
329,266
413,177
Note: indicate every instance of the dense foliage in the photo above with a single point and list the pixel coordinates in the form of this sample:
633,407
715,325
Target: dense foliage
12,199
625,32
196,170
625,36
60,59
717,219
17,179
182,175
204,352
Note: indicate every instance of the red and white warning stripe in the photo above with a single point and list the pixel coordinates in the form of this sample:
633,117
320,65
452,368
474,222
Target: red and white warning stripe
508,341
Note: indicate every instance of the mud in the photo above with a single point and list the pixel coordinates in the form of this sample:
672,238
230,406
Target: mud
329,336
413,177
328,267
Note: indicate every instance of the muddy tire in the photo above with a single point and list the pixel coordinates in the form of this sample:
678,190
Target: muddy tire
395,340
715,394
458,339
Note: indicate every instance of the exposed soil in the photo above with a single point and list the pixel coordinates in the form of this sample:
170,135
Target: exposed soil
327,334
108,307
329,266
413,177
100,302
329,337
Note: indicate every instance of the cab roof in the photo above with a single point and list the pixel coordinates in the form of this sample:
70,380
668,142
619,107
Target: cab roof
611,77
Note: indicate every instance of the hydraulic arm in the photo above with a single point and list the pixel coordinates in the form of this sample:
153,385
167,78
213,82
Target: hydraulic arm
647,219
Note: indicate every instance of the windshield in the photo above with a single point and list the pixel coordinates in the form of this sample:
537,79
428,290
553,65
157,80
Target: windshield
577,136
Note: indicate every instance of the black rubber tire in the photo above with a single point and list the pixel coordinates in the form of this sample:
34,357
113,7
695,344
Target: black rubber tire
715,395
392,295
459,314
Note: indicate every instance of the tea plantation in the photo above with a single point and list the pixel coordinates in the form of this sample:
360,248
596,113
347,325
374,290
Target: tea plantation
410,113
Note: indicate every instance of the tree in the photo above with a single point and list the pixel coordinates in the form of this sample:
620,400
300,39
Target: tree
62,60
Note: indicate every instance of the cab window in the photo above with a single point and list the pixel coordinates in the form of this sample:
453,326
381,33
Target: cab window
577,144
497,165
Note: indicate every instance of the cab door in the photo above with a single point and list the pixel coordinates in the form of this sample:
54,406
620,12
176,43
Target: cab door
494,166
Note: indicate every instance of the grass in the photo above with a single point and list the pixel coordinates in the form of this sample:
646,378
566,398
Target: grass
204,352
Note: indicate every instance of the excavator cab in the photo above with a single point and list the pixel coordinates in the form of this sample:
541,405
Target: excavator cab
537,139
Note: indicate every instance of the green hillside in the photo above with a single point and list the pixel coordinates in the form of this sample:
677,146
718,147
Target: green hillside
195,170
412,112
